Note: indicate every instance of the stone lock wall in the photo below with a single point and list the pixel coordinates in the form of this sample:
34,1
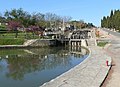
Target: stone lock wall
44,42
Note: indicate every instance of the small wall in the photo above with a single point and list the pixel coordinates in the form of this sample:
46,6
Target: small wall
44,42
78,43
83,43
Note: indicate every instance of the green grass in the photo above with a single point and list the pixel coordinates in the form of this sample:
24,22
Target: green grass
8,38
20,35
10,41
102,44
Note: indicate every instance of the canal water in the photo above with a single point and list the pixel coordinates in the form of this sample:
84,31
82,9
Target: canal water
34,66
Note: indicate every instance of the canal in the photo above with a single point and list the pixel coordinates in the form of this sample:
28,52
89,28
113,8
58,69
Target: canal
33,67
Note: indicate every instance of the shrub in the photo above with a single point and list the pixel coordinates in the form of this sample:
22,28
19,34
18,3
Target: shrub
102,44
2,26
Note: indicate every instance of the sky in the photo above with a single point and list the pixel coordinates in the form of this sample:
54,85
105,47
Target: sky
91,11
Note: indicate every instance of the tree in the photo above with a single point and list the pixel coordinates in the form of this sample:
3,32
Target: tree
90,25
2,19
13,26
67,18
34,30
112,21
53,20
104,22
81,24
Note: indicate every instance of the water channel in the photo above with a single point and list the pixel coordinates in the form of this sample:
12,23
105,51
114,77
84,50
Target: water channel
33,67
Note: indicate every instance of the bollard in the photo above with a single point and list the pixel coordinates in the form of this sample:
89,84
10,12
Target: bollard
107,62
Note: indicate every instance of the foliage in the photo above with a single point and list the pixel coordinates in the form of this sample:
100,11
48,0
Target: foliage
102,44
14,25
112,21
2,26
2,19
48,20
81,24
97,33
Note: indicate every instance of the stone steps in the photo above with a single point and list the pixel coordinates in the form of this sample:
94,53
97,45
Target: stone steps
29,42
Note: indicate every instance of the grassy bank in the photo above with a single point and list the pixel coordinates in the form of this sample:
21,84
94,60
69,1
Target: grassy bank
101,44
11,41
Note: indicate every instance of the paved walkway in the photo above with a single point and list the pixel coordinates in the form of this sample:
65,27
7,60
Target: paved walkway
90,73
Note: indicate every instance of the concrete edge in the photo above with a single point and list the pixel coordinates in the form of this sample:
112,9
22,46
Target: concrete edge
13,46
106,75
107,45
71,68
110,65
20,46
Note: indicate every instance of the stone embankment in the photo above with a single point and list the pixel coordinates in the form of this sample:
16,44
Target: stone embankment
40,42
13,46
90,73
33,43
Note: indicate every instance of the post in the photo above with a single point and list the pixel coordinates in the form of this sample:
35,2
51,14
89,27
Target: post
107,63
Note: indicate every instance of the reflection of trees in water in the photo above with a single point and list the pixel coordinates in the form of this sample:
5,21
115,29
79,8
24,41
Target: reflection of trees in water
43,59
55,60
20,65
0,68
4,52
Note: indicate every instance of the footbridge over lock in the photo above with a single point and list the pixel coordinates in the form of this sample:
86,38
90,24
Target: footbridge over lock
77,38
83,37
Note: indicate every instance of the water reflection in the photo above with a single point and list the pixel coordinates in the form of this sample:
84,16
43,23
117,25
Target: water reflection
18,63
